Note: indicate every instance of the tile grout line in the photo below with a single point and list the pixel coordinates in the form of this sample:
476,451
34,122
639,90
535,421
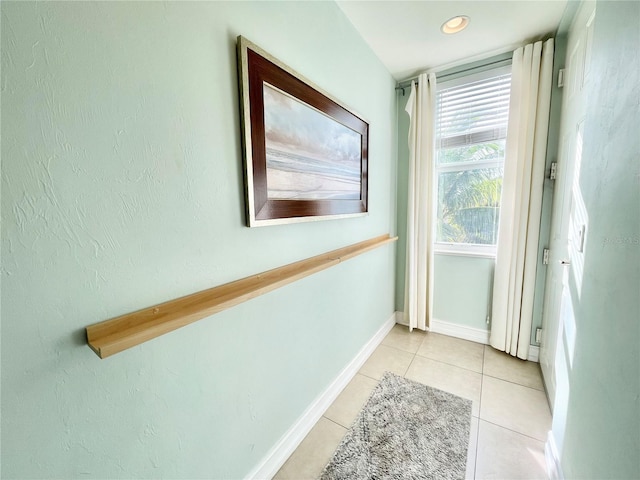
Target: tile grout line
511,430
475,463
416,354
404,375
372,378
336,423
514,383
399,349
447,363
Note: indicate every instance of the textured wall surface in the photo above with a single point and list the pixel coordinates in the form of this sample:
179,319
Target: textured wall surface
121,188
462,293
602,430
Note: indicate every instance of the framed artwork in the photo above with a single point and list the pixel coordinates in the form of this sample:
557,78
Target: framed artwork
305,154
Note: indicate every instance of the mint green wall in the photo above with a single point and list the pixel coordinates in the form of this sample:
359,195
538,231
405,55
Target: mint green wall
466,306
601,430
462,290
121,188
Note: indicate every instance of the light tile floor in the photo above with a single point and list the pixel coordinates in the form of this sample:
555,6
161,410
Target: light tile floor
510,412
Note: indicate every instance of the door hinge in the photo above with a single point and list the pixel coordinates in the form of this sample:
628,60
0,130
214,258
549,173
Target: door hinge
538,335
561,78
553,172
545,256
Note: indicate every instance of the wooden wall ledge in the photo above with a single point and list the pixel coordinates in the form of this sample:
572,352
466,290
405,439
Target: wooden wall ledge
117,334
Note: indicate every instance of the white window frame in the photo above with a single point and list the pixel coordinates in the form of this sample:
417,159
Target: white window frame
465,249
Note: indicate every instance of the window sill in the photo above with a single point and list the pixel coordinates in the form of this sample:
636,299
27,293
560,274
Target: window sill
465,251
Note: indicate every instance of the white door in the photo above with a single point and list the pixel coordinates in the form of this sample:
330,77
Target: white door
569,225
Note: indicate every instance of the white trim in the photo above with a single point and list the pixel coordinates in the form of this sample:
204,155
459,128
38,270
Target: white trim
552,458
460,331
465,250
466,62
280,452
477,335
400,319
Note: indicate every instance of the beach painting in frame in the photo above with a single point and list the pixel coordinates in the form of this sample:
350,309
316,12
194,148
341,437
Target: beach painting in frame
305,153
309,155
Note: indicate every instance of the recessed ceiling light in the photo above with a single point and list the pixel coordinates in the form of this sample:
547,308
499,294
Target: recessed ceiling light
455,24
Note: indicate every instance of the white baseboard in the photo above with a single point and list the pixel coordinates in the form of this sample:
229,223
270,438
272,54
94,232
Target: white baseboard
477,335
552,458
275,458
452,329
460,331
400,319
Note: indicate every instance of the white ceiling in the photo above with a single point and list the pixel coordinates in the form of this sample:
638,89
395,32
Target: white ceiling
406,35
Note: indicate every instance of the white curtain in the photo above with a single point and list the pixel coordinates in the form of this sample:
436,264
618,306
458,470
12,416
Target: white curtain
521,203
419,267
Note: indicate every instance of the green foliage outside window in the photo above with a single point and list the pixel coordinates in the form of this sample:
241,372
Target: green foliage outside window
469,199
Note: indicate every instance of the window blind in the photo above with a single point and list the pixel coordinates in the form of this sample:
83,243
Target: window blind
474,112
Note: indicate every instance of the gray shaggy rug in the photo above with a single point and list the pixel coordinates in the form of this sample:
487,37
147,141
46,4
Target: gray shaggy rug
406,430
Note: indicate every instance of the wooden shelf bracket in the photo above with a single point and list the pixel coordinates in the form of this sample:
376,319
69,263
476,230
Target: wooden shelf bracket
120,333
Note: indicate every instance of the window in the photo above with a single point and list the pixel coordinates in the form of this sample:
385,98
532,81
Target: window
471,130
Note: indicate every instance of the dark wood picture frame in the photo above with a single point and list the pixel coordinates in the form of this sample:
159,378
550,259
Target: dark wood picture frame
259,72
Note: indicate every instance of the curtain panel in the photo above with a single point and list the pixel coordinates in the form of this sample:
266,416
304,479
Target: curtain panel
421,108
521,203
